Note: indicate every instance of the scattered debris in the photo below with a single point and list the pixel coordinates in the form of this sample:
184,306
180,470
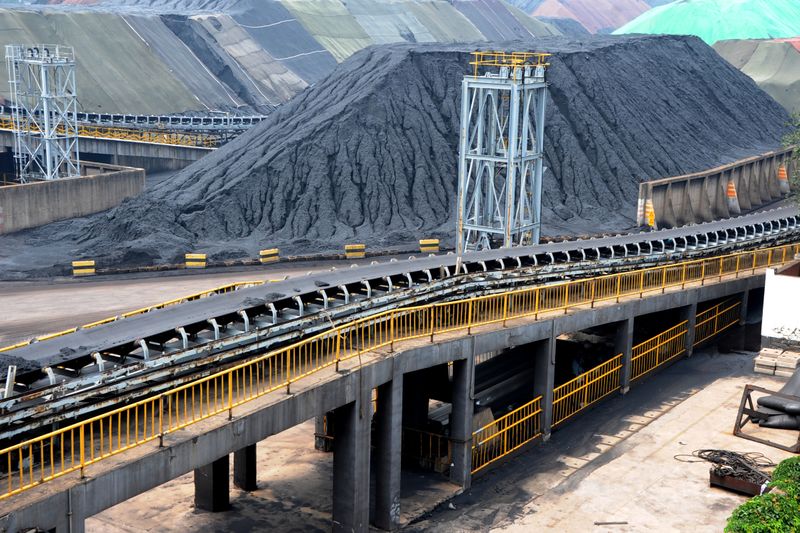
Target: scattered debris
739,472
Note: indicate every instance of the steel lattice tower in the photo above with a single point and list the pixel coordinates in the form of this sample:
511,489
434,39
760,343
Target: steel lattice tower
500,161
43,93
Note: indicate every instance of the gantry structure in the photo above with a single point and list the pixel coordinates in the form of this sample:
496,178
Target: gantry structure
501,149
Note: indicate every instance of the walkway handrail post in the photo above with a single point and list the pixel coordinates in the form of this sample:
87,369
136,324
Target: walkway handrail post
338,356
230,395
619,281
641,285
160,421
720,268
432,310
469,317
536,305
82,443
566,297
505,308
663,280
288,372
391,330
738,260
683,277
591,300
702,273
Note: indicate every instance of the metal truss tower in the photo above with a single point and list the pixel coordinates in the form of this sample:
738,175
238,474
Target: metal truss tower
500,161
42,82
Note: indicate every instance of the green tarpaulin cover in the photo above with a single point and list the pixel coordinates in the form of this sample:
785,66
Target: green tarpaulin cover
715,20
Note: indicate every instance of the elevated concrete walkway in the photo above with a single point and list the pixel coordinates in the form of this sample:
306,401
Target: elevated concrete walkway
63,504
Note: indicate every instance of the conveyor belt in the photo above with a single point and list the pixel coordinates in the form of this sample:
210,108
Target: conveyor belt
284,295
95,368
211,123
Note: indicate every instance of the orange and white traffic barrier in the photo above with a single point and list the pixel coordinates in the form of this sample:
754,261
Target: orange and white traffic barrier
650,213
783,179
733,200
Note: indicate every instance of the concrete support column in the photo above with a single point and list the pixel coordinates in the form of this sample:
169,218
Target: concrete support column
211,486
323,432
744,299
689,314
461,421
244,468
389,432
73,517
544,380
351,465
623,344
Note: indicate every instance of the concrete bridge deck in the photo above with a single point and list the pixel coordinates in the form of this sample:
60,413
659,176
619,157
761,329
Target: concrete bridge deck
65,502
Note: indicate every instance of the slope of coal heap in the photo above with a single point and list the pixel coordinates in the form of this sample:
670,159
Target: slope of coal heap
369,154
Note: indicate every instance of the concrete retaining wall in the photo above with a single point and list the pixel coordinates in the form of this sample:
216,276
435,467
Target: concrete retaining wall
780,327
34,204
701,197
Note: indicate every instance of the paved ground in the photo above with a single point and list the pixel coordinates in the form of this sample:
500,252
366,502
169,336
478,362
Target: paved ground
294,494
42,307
613,464
616,463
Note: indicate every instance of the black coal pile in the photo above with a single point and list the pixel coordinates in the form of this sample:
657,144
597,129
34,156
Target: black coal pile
369,154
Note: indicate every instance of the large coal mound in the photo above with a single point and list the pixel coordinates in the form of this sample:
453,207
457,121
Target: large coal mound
369,154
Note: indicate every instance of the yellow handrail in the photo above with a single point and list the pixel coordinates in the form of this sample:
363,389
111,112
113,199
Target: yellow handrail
128,134
53,455
188,298
506,434
490,442
586,389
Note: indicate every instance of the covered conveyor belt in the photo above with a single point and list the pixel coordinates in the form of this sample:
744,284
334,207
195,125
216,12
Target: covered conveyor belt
180,341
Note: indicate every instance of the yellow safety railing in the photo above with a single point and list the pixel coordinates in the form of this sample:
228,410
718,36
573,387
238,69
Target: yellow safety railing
652,353
513,60
491,442
30,463
135,135
590,387
716,320
506,434
431,449
188,298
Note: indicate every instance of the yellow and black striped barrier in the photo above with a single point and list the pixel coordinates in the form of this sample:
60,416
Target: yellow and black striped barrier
195,260
429,245
355,251
269,256
83,268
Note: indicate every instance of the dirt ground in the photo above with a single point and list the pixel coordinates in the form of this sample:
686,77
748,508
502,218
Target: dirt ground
614,464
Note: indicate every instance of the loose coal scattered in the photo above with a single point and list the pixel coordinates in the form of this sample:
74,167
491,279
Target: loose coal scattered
369,154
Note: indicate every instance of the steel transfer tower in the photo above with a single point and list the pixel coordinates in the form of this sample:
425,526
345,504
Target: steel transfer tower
43,93
500,161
